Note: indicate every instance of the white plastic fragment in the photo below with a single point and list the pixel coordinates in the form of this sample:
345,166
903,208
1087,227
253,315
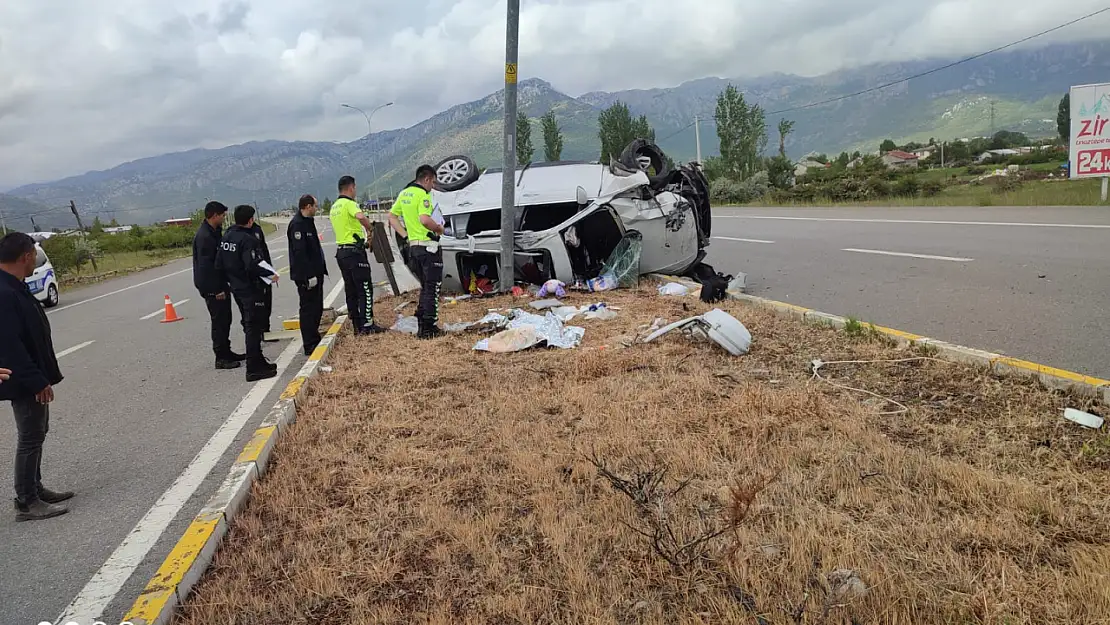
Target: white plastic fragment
674,288
1085,419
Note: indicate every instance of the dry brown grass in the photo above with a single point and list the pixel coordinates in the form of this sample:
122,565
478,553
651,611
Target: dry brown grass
427,483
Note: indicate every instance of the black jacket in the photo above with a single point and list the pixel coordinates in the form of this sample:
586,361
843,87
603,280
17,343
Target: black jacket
261,236
25,344
240,253
306,255
206,277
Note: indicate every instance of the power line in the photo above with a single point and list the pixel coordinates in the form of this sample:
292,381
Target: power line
942,67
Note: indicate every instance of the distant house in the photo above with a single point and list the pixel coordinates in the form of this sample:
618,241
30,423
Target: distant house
802,167
925,152
989,154
184,221
897,159
117,229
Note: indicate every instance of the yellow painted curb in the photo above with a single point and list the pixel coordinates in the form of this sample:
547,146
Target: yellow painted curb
191,556
255,446
319,352
291,324
1049,377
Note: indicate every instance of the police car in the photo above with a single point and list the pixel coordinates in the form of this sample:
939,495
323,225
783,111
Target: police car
44,283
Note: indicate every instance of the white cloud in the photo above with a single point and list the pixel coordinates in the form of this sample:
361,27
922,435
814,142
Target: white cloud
88,85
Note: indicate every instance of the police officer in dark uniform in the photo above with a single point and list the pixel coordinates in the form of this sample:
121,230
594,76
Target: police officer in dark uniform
307,269
239,258
268,298
212,284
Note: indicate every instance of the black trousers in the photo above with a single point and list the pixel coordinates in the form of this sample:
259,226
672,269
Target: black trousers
252,307
430,265
32,422
358,286
220,312
311,309
268,299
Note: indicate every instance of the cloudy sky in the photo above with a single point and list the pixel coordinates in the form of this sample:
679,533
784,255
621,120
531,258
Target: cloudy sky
87,85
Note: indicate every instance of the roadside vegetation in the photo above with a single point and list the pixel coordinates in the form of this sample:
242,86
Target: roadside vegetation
669,483
100,255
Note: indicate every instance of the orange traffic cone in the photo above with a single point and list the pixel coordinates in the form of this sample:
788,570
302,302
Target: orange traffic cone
171,313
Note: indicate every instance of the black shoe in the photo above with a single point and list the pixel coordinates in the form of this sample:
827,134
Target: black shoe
433,332
266,339
308,349
37,510
235,357
228,363
373,328
50,496
261,373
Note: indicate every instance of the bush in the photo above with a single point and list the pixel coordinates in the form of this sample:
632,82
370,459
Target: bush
723,190
907,186
932,188
976,171
62,251
878,187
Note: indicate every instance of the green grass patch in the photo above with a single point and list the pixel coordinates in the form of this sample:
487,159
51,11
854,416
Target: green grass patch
118,264
1036,193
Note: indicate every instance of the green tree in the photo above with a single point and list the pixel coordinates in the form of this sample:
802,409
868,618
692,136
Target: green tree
552,137
325,207
843,160
742,130
97,227
1063,119
617,129
780,172
524,149
887,146
786,126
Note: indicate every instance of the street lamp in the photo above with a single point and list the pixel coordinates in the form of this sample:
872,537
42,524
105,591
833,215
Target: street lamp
373,167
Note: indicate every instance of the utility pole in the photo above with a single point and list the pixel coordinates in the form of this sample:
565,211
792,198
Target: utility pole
942,154
992,119
34,225
73,207
697,136
506,274
4,222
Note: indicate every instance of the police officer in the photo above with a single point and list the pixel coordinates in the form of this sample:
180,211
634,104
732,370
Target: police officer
212,284
307,269
268,290
411,217
239,258
351,225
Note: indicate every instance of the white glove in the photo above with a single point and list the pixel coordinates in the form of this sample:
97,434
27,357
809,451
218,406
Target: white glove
312,282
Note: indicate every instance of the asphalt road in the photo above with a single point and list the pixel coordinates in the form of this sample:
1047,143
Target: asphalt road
1031,283
139,401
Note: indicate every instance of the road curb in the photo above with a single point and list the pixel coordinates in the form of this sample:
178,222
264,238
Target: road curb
193,553
1051,378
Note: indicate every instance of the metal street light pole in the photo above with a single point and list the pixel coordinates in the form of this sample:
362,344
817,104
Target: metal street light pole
506,274
369,131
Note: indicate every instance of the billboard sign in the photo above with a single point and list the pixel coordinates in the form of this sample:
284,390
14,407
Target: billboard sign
1090,131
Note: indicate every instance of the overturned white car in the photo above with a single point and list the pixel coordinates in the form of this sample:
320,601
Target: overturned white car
571,216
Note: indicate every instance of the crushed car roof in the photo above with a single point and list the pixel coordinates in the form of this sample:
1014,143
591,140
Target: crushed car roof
540,183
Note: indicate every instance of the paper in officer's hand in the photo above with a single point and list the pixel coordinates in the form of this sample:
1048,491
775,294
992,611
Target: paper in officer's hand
268,267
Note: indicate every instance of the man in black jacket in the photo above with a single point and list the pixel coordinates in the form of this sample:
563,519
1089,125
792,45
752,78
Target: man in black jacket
267,290
239,258
307,269
212,284
27,350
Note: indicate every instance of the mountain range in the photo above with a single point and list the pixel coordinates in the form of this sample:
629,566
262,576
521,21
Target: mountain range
1022,88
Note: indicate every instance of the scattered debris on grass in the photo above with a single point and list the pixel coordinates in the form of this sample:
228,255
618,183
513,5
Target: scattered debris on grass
669,482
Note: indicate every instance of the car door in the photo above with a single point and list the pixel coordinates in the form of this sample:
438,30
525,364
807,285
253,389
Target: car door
37,280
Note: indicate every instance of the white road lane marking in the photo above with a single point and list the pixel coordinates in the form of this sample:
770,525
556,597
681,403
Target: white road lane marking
955,259
66,352
101,590
117,292
916,221
743,240
158,312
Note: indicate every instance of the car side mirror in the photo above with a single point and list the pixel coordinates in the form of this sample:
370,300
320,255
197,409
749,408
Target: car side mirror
583,199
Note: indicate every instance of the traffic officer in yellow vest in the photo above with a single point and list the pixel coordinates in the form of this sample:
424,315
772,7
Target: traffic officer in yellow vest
351,225
411,217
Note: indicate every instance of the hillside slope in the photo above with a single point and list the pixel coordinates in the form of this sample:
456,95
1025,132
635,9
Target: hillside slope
1024,87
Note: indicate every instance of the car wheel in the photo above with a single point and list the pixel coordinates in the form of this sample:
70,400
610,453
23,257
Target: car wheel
52,297
643,155
455,173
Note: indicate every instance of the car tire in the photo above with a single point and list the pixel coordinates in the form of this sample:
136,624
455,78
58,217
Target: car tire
52,296
642,148
456,173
